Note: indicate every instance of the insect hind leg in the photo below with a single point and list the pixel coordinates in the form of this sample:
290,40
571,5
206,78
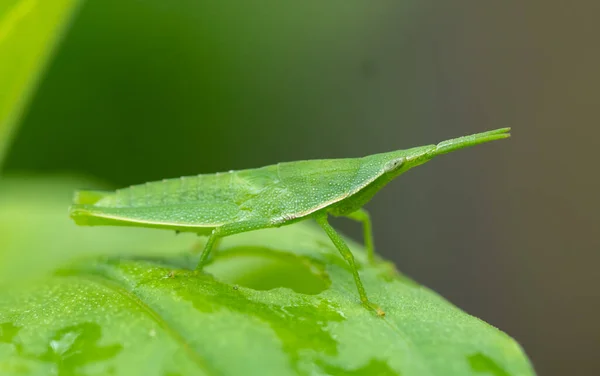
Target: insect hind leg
198,246
226,230
213,240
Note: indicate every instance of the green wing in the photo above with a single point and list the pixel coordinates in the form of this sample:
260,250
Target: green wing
304,187
274,193
186,203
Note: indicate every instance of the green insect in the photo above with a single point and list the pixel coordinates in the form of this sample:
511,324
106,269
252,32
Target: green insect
229,203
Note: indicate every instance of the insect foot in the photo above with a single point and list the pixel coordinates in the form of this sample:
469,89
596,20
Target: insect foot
375,308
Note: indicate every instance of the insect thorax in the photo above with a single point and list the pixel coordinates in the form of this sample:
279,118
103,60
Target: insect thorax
359,199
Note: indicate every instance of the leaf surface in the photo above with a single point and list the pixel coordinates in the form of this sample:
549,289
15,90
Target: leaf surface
278,301
29,30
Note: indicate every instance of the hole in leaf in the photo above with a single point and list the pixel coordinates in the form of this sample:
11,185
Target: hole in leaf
265,269
482,363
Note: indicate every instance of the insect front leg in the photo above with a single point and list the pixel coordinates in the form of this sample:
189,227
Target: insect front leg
361,215
342,247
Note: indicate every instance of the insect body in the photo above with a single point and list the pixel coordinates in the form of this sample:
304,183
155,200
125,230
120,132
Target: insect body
224,204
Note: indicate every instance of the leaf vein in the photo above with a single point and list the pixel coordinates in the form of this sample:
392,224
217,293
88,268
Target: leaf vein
154,316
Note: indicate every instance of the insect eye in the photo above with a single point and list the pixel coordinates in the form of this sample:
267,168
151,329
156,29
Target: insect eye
394,164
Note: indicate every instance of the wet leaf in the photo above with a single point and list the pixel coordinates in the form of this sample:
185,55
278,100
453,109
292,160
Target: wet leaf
277,301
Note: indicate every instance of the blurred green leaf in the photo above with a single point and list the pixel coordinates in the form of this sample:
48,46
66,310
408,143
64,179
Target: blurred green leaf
277,301
176,88
29,30
37,234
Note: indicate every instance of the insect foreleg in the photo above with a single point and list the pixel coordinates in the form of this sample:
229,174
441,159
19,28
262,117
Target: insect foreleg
361,215
341,245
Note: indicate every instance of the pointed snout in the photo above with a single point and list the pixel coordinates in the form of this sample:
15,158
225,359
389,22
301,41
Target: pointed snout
467,141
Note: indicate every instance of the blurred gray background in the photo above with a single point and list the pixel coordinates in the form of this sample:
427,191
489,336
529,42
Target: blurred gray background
506,231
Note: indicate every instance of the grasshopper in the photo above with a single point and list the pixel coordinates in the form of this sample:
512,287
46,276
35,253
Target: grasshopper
229,203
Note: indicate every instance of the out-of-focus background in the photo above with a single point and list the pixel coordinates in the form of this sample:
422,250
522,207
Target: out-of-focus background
143,90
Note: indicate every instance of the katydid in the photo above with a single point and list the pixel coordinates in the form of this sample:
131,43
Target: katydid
229,203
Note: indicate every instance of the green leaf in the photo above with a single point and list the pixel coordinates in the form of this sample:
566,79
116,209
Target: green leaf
278,301
37,234
29,30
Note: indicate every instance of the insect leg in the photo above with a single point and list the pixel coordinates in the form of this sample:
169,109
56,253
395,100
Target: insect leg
341,245
226,230
210,244
361,215
197,247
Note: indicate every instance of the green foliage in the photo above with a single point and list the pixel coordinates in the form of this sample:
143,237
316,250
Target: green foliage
176,88
124,301
278,301
28,31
